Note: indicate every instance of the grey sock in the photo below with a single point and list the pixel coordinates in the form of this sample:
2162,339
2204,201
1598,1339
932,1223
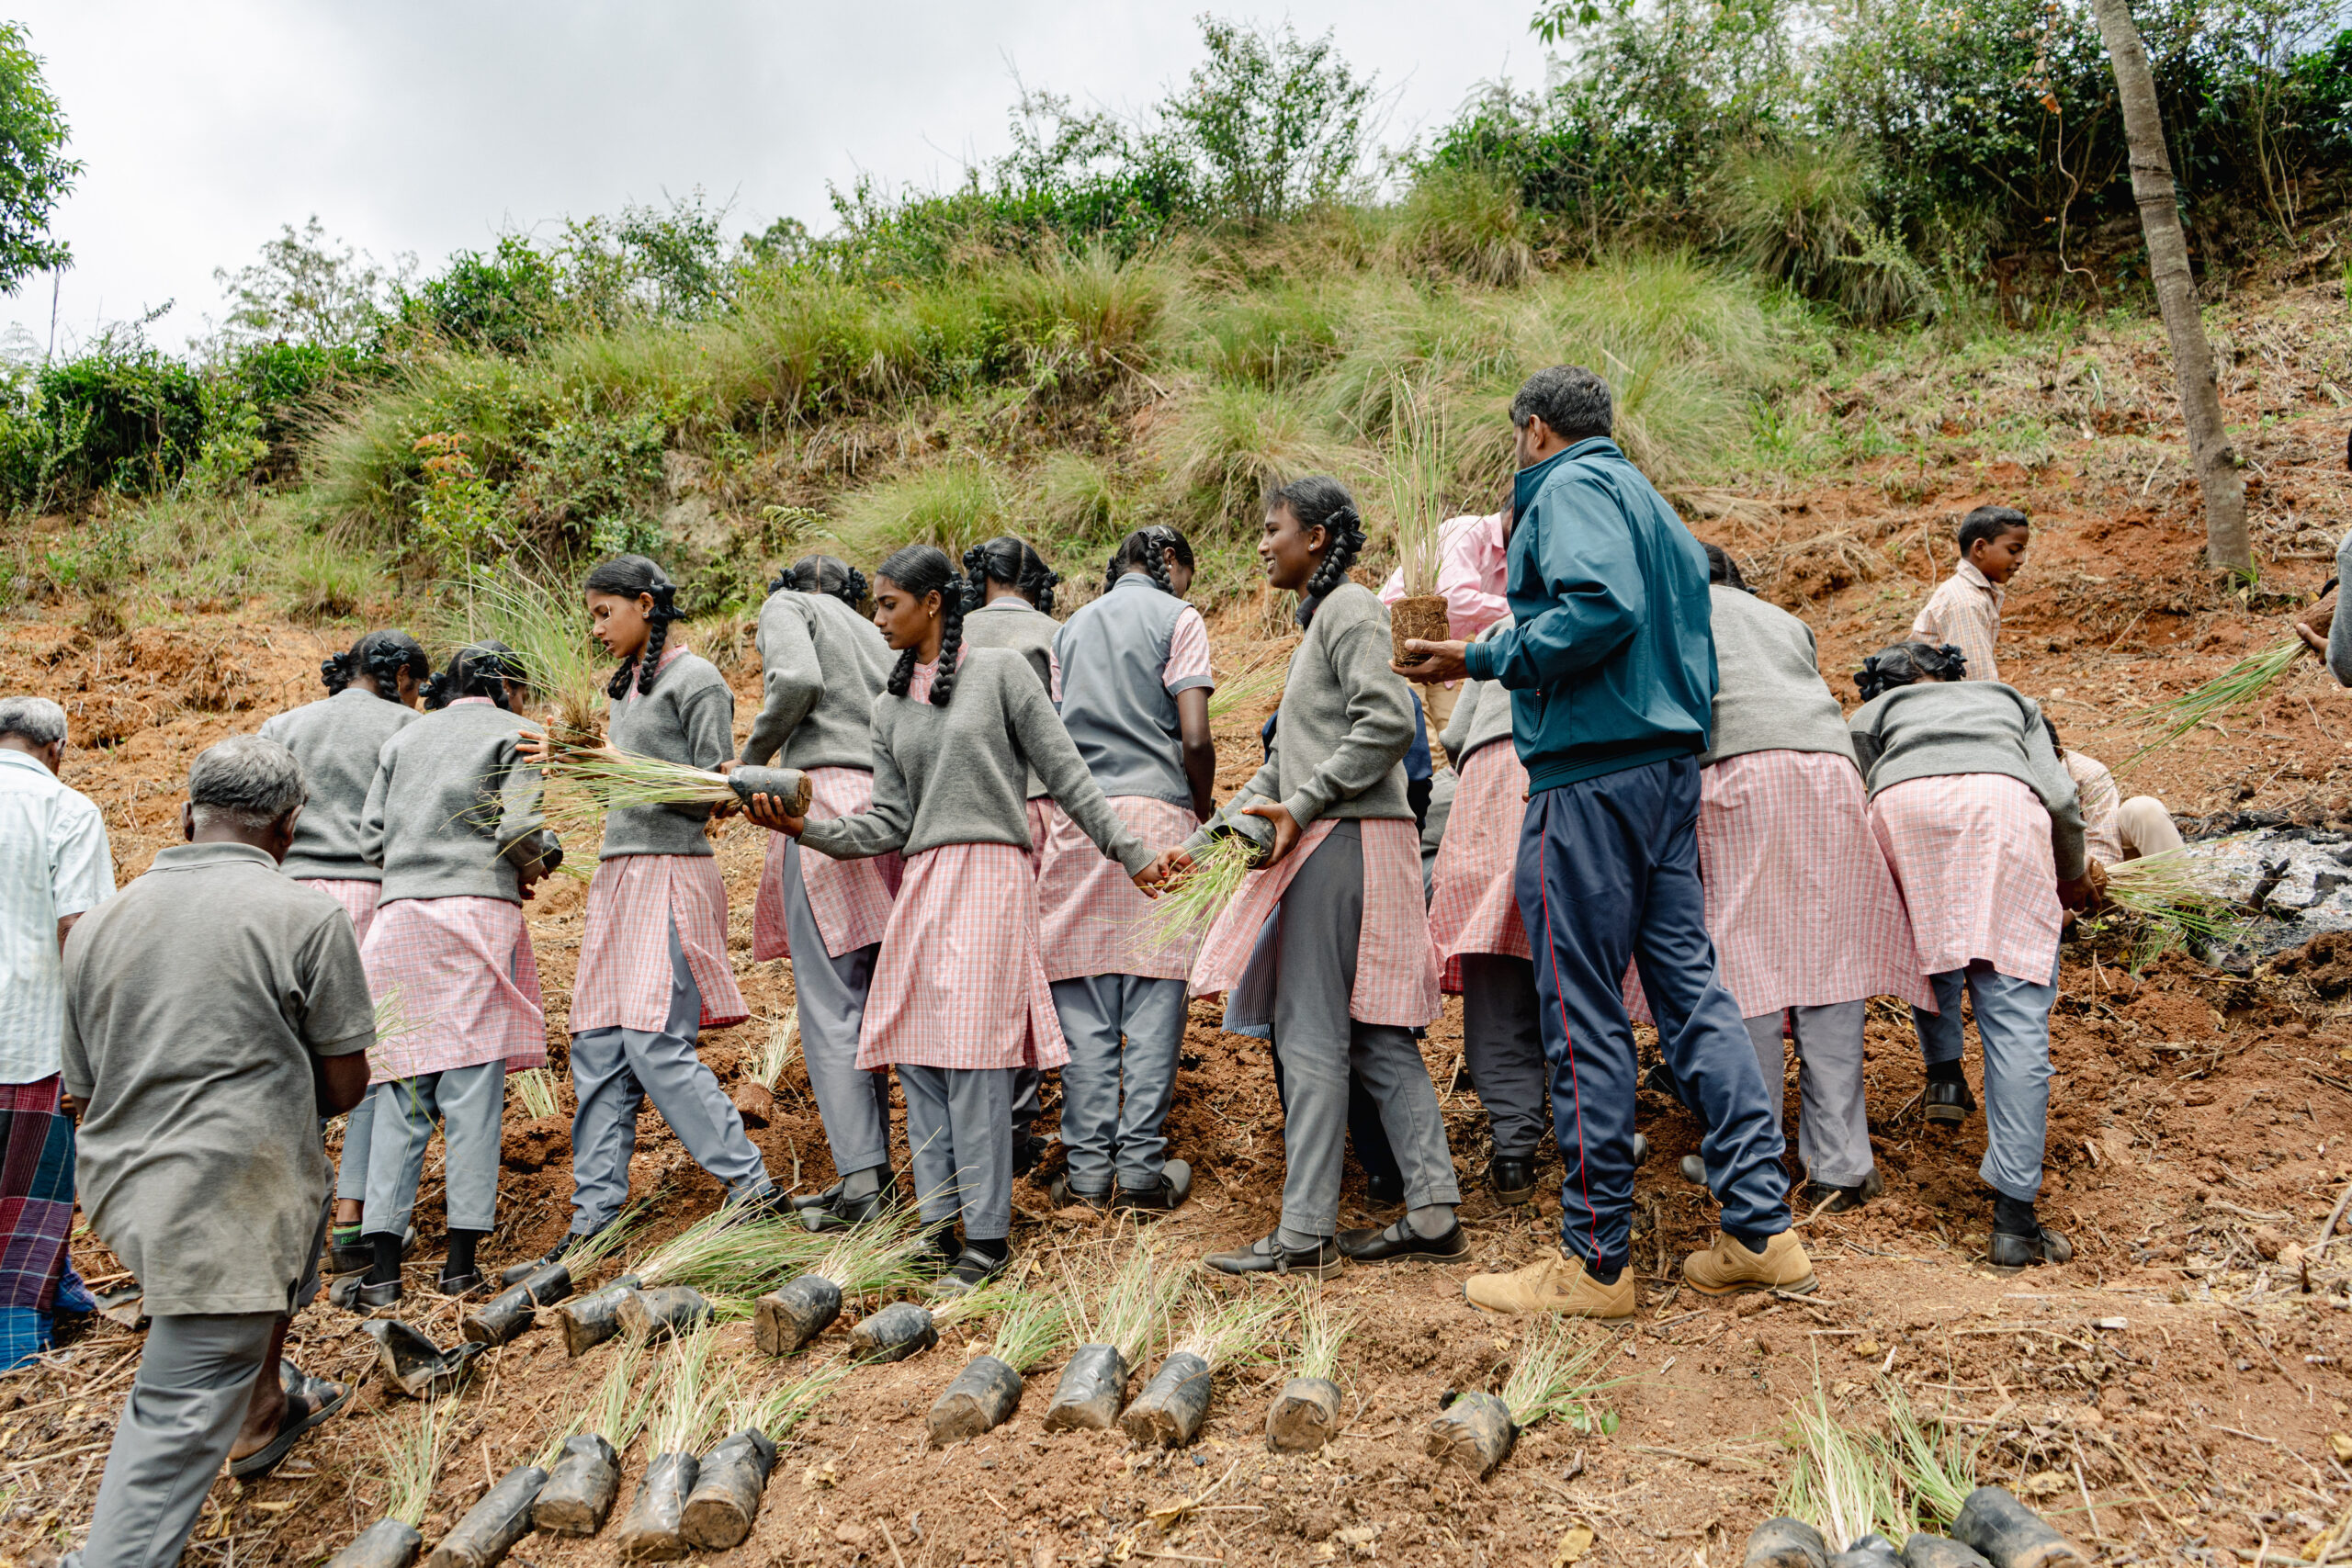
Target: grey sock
863,1183
1296,1241
1430,1222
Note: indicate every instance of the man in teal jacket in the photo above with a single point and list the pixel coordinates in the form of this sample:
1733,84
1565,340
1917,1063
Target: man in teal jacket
1611,665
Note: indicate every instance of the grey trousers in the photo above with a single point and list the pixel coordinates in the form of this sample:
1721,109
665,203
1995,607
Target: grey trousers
351,1175
1028,1085
1502,1042
1318,922
955,1121
1833,1126
615,1071
468,1102
1114,1101
2013,1024
196,1377
829,994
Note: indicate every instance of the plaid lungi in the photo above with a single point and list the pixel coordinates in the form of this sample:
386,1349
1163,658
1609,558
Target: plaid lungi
1472,906
468,983
1970,855
850,898
1042,815
1396,965
1090,917
358,898
960,982
624,976
36,1192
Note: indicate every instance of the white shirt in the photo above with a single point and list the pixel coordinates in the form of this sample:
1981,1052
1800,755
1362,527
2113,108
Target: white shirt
54,861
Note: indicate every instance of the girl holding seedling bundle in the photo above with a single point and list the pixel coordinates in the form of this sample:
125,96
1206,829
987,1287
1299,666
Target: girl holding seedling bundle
653,967
453,817
1328,950
371,696
1135,702
1011,588
823,664
1982,828
959,996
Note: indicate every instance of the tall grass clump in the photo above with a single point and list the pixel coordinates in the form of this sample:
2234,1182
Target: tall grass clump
1465,222
541,618
954,504
1081,322
1273,337
1226,447
1801,213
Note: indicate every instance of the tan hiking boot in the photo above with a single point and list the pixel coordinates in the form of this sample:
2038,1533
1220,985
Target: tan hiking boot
1553,1284
1728,1267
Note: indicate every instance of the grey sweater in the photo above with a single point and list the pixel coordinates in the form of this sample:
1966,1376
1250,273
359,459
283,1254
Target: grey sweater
1481,714
1770,695
1346,719
822,663
954,775
1941,727
336,740
690,718
2339,630
453,813
1010,621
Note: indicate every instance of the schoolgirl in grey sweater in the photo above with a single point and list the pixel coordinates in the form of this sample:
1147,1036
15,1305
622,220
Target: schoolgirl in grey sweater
373,694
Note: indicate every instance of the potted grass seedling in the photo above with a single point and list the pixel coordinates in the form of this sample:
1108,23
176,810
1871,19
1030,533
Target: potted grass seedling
530,1286
907,1329
1413,476
2006,1533
1554,1380
875,1256
493,1525
754,1097
2233,687
725,1254
411,1464
583,1464
1306,1415
987,1391
618,778
732,1476
412,1364
684,1411
1093,1387
1175,1402
1836,1484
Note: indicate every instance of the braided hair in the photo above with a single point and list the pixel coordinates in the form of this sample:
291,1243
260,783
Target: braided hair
1905,663
1013,563
632,577
823,574
477,669
922,570
1321,502
1721,568
1147,549
381,656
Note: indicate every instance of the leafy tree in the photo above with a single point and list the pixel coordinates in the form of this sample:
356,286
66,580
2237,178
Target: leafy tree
303,290
502,302
1274,125
35,174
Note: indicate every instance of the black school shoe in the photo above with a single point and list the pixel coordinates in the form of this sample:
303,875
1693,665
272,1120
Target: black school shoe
354,1293
2046,1245
1845,1199
1400,1242
1175,1185
1949,1101
515,1273
842,1213
462,1287
1512,1177
1267,1255
1065,1196
970,1272
824,1200
358,1259
1384,1189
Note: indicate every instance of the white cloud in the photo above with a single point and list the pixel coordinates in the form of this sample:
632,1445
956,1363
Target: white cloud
426,126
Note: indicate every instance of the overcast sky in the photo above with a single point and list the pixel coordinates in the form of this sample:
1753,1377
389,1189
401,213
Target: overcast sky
426,126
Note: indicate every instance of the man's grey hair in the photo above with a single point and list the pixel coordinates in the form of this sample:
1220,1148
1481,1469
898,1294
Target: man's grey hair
246,780
1570,399
36,719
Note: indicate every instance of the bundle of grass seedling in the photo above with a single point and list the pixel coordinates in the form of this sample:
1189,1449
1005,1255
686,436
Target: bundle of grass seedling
731,1477
1032,1326
2173,891
2233,687
547,628
871,1259
1554,1380
1093,1387
534,1089
1191,901
1172,1406
411,1464
1837,1481
583,1464
1247,688
392,1019
615,780
1935,1466
685,1412
1306,1415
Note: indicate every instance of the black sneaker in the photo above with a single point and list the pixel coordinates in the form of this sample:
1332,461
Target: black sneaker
1064,1195
1949,1101
2008,1251
1400,1242
1512,1177
1175,1185
1267,1255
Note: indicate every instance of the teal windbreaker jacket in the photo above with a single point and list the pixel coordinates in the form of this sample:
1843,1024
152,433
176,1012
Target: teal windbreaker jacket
1611,662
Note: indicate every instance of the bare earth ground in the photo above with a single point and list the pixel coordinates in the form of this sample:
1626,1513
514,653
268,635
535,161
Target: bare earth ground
2172,1390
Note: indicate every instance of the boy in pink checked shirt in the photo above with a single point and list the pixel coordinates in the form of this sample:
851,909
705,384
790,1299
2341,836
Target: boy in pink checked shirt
1965,609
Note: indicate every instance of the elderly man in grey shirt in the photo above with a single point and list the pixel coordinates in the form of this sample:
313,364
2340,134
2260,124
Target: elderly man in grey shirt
215,1011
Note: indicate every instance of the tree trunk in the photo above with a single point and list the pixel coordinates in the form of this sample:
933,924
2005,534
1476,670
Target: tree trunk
2226,544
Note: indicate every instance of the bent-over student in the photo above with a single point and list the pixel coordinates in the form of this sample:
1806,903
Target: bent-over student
215,1012
823,662
2115,830
454,820
960,997
1135,700
1980,823
1326,950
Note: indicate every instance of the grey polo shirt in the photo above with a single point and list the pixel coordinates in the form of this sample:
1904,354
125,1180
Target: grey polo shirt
195,999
